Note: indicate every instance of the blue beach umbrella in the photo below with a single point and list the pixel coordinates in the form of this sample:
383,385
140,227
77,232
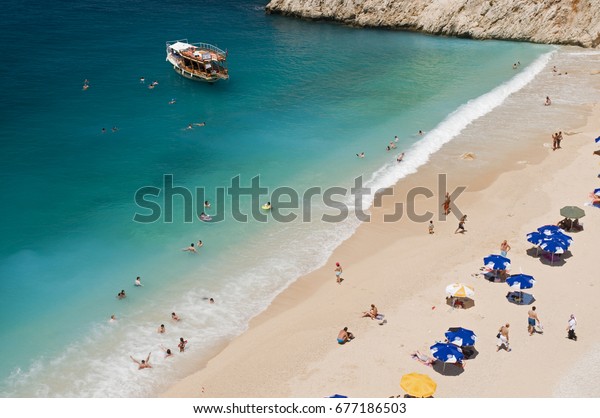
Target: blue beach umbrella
549,229
461,337
554,246
535,238
597,139
496,262
564,238
520,281
597,191
446,352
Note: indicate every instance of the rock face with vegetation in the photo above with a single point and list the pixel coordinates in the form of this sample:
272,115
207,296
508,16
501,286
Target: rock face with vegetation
572,22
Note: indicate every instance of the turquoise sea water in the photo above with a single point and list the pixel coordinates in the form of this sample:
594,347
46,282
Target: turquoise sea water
302,100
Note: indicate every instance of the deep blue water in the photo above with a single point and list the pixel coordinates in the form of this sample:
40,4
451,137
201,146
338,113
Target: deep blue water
302,99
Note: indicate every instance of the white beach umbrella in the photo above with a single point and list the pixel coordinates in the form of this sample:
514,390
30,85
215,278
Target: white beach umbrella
460,290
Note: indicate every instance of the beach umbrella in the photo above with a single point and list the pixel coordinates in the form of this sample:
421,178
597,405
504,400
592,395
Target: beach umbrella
535,238
572,212
459,290
337,395
496,262
549,229
597,139
564,238
597,191
418,385
446,352
520,281
461,337
554,246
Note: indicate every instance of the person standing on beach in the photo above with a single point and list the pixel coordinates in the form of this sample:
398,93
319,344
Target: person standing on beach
461,225
571,328
504,248
446,204
559,138
532,320
182,344
430,227
338,273
503,339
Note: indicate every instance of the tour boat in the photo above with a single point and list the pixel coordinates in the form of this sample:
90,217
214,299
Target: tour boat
199,61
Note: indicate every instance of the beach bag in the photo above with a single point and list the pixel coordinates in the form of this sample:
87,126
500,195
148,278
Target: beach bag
498,336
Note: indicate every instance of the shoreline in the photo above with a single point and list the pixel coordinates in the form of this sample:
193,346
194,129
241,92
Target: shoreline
290,347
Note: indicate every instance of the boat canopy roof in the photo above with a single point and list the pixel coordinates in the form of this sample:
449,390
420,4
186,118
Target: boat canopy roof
180,46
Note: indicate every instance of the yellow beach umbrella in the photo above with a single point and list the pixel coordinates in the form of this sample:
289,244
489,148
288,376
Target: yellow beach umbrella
418,385
459,290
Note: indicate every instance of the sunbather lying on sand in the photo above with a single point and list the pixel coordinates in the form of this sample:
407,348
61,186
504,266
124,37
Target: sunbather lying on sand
423,359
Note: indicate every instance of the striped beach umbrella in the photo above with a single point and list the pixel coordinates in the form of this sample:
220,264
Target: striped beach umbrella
460,290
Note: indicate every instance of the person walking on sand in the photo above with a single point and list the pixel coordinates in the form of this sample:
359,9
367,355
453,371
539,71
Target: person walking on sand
504,248
143,364
532,320
446,204
503,340
338,273
571,328
461,225
430,227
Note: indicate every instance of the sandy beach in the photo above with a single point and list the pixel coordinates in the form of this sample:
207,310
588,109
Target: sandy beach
290,349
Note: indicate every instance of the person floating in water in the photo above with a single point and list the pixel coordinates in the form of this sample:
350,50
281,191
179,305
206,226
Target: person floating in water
361,155
142,80
191,248
172,101
143,364
86,84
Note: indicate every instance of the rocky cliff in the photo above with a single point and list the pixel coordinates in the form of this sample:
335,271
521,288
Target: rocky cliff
573,22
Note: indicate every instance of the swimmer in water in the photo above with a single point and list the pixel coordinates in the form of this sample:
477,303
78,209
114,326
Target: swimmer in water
174,316
138,281
400,157
191,248
167,351
200,244
396,138
143,364
121,295
207,204
200,124
361,155
172,101
142,80
161,329
113,318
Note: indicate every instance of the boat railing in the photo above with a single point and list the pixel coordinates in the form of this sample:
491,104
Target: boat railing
201,45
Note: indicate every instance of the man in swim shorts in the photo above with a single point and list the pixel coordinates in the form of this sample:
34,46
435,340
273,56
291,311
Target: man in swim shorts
532,319
344,336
